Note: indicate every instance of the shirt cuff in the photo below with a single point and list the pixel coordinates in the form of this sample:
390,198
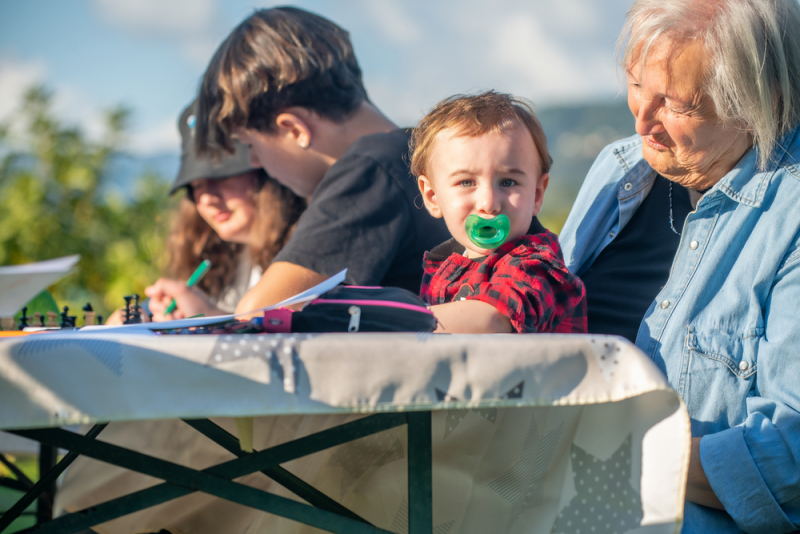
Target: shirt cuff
738,484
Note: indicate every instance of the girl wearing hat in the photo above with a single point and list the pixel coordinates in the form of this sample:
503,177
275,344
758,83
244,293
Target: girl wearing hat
233,215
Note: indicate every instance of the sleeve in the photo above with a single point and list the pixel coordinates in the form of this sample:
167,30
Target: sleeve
754,468
536,294
357,220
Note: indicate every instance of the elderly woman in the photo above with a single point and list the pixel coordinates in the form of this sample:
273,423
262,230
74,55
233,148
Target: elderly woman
687,237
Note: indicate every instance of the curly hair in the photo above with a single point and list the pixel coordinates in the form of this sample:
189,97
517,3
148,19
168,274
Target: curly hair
192,240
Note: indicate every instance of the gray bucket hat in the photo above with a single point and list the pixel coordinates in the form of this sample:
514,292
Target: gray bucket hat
195,168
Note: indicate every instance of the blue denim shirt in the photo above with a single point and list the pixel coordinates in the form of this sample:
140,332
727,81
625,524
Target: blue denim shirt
725,329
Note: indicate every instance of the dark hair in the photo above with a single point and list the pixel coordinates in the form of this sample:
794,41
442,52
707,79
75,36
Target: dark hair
192,240
277,58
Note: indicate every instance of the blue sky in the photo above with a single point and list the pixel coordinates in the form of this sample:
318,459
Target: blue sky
150,54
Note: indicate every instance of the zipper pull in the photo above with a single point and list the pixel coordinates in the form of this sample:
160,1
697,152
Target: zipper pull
355,318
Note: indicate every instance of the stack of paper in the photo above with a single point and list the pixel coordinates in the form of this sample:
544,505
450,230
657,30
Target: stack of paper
20,283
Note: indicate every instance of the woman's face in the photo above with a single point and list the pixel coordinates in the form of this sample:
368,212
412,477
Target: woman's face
683,138
227,205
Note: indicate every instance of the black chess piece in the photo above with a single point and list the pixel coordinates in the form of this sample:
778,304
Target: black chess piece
65,318
41,320
136,313
128,300
23,321
99,319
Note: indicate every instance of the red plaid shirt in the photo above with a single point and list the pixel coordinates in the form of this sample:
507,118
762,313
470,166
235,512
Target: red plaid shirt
525,280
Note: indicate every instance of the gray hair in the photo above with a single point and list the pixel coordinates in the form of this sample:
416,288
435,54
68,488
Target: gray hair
753,51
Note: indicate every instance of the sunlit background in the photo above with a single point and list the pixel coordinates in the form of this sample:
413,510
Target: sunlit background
92,56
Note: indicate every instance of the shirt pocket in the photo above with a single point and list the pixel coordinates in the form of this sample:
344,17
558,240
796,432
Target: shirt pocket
718,374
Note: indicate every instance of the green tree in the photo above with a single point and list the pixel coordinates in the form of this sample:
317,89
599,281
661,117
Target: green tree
56,199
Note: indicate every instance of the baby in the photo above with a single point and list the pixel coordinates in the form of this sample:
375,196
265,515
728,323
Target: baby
481,163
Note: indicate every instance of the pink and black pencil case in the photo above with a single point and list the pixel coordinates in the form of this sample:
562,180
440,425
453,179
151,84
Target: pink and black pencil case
355,309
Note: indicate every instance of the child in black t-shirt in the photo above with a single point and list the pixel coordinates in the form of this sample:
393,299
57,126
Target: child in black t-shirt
287,84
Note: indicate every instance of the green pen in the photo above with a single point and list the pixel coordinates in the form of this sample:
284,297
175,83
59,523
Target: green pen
193,280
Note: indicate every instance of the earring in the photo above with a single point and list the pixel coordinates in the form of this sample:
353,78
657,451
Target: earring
304,144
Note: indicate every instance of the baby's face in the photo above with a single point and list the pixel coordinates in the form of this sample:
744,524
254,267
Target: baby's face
488,175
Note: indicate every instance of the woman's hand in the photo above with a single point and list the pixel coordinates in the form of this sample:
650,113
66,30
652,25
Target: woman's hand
191,301
698,489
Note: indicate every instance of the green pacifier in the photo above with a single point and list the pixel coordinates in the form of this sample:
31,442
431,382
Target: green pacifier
487,233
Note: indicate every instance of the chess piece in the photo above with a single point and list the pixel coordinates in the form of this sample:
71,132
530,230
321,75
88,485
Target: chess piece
99,319
64,318
52,320
38,320
7,323
23,321
88,315
127,315
136,312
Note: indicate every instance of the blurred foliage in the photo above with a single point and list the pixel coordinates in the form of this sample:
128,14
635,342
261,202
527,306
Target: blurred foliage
56,199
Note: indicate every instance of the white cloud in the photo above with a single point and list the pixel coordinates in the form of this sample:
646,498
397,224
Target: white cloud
523,49
159,17
580,16
73,106
16,77
70,105
393,19
162,137
195,25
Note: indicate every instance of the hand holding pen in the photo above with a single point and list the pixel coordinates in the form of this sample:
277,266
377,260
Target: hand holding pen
193,280
175,299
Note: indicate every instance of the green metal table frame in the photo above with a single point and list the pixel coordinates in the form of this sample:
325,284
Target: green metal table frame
321,511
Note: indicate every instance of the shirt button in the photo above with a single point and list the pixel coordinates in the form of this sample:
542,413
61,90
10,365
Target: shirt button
612,234
693,245
743,365
628,186
665,305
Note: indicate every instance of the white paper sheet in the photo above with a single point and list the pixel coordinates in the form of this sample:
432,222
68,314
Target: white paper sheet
314,292
20,283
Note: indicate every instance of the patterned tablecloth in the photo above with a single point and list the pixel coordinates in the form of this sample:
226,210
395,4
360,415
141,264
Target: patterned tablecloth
531,433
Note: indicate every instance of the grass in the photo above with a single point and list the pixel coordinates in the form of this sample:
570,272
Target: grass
29,465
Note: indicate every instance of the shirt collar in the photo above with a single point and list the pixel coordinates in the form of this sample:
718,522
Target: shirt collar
745,183
443,251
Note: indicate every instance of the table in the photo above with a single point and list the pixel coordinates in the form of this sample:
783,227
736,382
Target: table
355,432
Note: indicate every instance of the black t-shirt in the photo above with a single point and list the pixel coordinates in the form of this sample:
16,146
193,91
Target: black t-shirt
367,215
628,274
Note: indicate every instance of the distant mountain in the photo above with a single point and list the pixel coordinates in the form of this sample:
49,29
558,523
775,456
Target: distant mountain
124,169
575,135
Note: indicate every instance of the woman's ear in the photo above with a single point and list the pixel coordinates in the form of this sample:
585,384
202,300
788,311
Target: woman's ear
541,187
429,196
295,128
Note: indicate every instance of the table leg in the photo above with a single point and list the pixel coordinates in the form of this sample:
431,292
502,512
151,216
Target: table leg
420,474
47,481
48,456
